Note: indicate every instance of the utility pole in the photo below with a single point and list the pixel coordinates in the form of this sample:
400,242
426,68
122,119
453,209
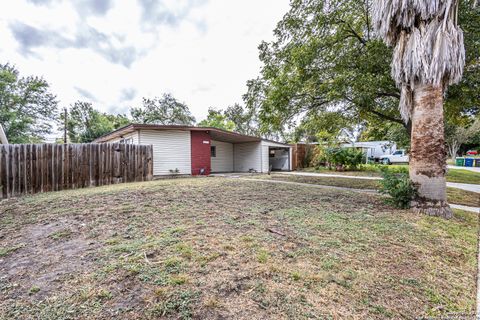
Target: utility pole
65,125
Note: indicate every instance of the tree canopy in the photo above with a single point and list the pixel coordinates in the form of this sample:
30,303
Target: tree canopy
27,107
217,119
165,110
85,124
325,58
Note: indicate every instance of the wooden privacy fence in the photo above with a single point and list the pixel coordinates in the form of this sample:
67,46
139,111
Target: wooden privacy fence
301,153
33,168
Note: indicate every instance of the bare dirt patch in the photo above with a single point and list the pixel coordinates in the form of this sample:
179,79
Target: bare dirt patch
49,252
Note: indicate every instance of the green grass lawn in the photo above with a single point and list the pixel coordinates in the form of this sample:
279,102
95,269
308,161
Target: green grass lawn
453,175
463,176
213,248
455,196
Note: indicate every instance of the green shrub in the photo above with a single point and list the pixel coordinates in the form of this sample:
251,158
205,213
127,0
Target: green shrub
319,157
337,158
398,185
309,153
344,158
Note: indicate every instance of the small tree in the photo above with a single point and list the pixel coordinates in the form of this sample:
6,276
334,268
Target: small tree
85,123
458,135
398,186
27,107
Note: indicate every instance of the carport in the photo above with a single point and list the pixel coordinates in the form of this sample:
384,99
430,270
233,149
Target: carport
279,155
279,158
233,152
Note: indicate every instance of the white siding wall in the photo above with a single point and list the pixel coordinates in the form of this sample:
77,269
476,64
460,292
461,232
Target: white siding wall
223,162
132,135
247,156
265,158
171,150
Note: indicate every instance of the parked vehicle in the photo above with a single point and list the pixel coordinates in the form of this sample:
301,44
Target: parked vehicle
472,152
373,150
399,156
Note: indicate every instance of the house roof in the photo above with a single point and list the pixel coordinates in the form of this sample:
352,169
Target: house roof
368,144
215,133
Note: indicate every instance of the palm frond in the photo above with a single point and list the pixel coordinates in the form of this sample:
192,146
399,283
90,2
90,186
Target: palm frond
428,45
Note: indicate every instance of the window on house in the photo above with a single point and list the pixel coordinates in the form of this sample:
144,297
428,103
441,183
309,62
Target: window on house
213,151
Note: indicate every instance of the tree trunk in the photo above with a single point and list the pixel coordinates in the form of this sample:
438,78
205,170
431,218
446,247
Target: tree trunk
453,150
408,127
428,154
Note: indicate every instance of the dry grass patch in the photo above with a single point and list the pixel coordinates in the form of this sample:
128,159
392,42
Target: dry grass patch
466,198
327,181
228,248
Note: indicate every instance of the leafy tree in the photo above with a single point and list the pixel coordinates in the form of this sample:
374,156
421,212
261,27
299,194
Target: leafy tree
326,126
325,58
463,99
217,120
85,124
377,129
455,136
27,107
165,110
245,120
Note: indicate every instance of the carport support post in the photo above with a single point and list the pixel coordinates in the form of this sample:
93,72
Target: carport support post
289,150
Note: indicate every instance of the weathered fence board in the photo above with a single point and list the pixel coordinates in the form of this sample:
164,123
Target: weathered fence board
33,168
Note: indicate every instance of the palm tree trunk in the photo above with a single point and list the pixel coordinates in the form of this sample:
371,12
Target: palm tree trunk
428,153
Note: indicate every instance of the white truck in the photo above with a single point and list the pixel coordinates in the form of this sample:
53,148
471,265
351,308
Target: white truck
373,150
399,156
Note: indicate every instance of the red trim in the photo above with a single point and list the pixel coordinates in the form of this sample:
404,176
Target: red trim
200,143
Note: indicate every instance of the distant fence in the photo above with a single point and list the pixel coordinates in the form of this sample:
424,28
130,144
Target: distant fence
34,168
301,154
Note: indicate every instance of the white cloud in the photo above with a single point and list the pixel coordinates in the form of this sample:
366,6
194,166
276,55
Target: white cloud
202,52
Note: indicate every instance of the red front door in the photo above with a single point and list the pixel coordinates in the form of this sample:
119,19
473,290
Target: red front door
200,141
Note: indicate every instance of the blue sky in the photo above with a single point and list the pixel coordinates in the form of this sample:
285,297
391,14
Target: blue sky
113,53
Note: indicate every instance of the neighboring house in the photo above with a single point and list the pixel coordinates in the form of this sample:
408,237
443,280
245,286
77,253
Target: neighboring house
3,136
373,149
200,150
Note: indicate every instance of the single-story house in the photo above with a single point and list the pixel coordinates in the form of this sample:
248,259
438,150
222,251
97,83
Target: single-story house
203,150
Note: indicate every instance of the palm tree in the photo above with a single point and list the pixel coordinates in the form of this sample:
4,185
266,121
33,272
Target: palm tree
428,56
